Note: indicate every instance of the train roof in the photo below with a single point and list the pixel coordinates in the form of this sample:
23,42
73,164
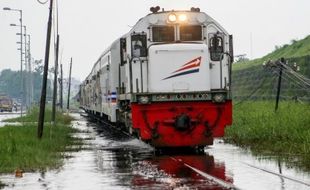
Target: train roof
208,19
147,20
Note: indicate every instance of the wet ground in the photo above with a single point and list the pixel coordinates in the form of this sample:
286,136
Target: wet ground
8,115
112,160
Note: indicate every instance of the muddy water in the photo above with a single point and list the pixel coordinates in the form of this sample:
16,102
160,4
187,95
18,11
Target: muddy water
112,160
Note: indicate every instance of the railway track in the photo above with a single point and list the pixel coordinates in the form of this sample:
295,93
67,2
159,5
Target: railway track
278,174
220,182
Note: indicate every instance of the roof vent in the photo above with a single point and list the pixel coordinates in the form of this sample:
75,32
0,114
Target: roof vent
155,9
193,9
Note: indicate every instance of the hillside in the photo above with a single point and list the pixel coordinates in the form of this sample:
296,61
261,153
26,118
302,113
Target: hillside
296,49
252,81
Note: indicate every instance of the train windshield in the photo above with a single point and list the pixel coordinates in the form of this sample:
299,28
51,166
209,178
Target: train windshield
163,33
190,33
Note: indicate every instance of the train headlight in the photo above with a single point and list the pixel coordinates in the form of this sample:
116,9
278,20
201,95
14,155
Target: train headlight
219,98
172,18
161,97
144,100
182,17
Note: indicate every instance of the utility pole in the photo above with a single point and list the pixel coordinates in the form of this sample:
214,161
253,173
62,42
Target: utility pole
43,92
30,72
61,88
68,101
26,69
281,61
21,64
21,55
55,82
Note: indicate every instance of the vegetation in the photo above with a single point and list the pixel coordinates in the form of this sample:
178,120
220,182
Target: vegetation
11,79
296,49
256,125
33,114
286,133
21,149
250,80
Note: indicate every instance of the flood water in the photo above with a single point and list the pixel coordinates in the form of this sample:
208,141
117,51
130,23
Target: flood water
112,160
8,115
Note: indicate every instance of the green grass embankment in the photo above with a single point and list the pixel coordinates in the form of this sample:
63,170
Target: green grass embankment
21,149
296,49
285,133
250,80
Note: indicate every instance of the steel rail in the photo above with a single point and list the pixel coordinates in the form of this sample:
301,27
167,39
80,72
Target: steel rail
280,175
209,177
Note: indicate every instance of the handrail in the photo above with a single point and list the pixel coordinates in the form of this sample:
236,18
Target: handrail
230,69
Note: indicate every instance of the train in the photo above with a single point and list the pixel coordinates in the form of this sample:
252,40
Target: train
167,81
6,103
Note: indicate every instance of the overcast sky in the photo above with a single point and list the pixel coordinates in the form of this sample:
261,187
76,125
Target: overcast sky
87,27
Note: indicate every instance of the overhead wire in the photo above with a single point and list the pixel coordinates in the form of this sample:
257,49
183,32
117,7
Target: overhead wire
302,85
289,75
298,79
297,75
288,78
292,77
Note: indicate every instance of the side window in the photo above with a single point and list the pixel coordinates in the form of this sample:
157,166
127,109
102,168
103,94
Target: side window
216,47
138,45
123,50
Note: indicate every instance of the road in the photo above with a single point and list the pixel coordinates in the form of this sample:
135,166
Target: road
112,160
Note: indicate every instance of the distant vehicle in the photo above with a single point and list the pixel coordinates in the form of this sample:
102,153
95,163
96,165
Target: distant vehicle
6,103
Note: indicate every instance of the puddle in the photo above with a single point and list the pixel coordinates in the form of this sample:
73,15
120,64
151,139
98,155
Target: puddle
8,115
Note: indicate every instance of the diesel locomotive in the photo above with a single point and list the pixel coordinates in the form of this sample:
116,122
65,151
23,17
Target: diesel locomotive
167,81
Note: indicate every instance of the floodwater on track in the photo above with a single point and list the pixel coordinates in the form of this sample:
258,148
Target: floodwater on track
112,160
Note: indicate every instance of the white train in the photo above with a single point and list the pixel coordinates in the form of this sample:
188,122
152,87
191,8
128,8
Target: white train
167,81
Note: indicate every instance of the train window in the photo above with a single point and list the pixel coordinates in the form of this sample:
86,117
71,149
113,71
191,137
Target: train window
138,45
216,48
163,33
123,50
191,33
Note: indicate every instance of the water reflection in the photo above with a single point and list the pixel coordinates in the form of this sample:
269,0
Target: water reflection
128,162
174,171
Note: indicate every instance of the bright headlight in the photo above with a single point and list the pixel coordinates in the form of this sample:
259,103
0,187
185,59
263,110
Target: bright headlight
218,98
144,99
172,18
182,17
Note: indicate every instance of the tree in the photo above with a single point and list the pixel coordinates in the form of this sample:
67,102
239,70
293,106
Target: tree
10,83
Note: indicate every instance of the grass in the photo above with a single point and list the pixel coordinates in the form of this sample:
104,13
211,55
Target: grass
287,132
33,115
21,149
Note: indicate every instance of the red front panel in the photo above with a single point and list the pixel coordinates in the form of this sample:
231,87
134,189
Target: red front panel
156,122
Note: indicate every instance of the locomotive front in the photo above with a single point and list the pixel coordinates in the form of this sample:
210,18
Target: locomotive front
179,75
